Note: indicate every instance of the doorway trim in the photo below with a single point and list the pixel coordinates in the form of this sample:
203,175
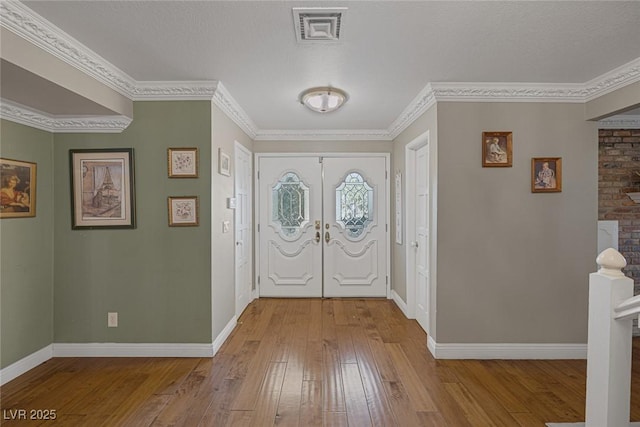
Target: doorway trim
239,148
256,204
410,220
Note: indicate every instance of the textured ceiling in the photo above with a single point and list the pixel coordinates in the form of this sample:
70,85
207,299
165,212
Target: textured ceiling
389,50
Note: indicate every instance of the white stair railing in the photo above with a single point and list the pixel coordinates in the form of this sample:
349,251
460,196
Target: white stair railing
611,308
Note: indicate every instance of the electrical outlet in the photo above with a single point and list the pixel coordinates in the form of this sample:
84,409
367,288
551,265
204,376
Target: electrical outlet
112,320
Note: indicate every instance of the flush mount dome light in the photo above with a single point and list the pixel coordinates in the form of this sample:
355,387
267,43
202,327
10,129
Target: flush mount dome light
323,99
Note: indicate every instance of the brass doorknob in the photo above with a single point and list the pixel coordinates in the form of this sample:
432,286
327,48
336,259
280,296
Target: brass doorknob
327,237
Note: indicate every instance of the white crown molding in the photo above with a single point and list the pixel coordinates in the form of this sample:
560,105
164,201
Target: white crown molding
223,99
620,122
174,91
506,351
421,103
56,124
27,24
617,78
323,135
508,92
21,20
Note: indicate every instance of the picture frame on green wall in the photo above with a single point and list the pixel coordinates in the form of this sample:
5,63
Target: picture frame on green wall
102,188
18,191
183,162
183,211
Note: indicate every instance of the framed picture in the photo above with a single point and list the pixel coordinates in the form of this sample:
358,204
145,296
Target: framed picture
18,192
183,162
183,211
546,174
224,163
102,188
497,150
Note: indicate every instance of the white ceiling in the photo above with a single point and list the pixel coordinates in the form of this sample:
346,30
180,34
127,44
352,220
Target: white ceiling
390,50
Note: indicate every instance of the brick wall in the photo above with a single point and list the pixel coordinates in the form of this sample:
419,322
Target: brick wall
619,169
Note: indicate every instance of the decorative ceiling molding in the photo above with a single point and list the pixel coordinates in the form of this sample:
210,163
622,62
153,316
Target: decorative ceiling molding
620,122
323,135
508,92
421,103
172,91
223,99
21,20
27,24
56,124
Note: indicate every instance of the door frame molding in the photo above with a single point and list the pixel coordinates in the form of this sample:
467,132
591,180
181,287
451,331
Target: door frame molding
410,154
256,201
239,147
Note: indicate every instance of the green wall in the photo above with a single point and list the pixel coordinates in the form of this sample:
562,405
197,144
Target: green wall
26,252
157,278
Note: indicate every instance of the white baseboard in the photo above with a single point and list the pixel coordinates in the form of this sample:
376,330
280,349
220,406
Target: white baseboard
400,303
506,351
132,350
222,337
25,364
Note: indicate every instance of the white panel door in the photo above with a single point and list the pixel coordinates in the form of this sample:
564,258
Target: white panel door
355,227
243,176
422,236
290,200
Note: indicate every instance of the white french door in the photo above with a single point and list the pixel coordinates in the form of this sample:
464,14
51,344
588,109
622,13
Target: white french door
421,243
323,226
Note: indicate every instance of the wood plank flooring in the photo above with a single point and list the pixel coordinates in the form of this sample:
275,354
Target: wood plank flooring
308,362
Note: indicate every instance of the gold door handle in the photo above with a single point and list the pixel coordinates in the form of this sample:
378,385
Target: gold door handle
317,237
327,237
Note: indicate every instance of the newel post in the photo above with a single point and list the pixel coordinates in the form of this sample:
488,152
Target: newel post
609,347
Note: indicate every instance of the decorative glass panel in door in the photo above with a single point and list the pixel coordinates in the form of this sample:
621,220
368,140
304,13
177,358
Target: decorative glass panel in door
290,204
354,204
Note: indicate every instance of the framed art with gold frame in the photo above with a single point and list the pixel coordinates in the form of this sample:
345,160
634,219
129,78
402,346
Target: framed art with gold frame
497,149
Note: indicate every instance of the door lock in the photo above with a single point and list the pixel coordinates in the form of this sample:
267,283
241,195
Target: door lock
317,237
327,237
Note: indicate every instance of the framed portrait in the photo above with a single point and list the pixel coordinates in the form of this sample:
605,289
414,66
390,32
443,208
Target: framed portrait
224,163
102,188
497,149
183,162
546,174
183,211
18,192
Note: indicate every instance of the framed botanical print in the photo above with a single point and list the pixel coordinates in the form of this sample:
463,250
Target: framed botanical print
224,163
183,162
18,192
183,211
102,188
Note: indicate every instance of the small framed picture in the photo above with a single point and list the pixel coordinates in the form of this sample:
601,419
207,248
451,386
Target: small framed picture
497,150
102,188
546,174
183,211
183,162
224,163
18,193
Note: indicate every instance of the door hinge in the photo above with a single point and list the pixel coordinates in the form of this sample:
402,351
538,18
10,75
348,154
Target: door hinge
386,175
258,280
258,174
386,227
387,280
258,228
320,159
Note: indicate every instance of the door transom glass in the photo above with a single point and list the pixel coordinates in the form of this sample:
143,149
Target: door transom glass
354,204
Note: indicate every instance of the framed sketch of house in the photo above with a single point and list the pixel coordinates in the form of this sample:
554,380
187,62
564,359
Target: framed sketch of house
102,188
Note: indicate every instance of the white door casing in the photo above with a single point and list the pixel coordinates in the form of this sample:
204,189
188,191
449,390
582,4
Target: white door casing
421,197
290,248
243,227
355,258
304,258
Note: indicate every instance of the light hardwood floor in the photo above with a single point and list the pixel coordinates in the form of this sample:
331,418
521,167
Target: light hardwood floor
308,362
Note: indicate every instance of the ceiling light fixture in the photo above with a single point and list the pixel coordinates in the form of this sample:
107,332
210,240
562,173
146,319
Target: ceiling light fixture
323,99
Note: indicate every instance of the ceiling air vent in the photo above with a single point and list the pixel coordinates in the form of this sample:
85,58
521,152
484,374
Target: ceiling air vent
318,24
